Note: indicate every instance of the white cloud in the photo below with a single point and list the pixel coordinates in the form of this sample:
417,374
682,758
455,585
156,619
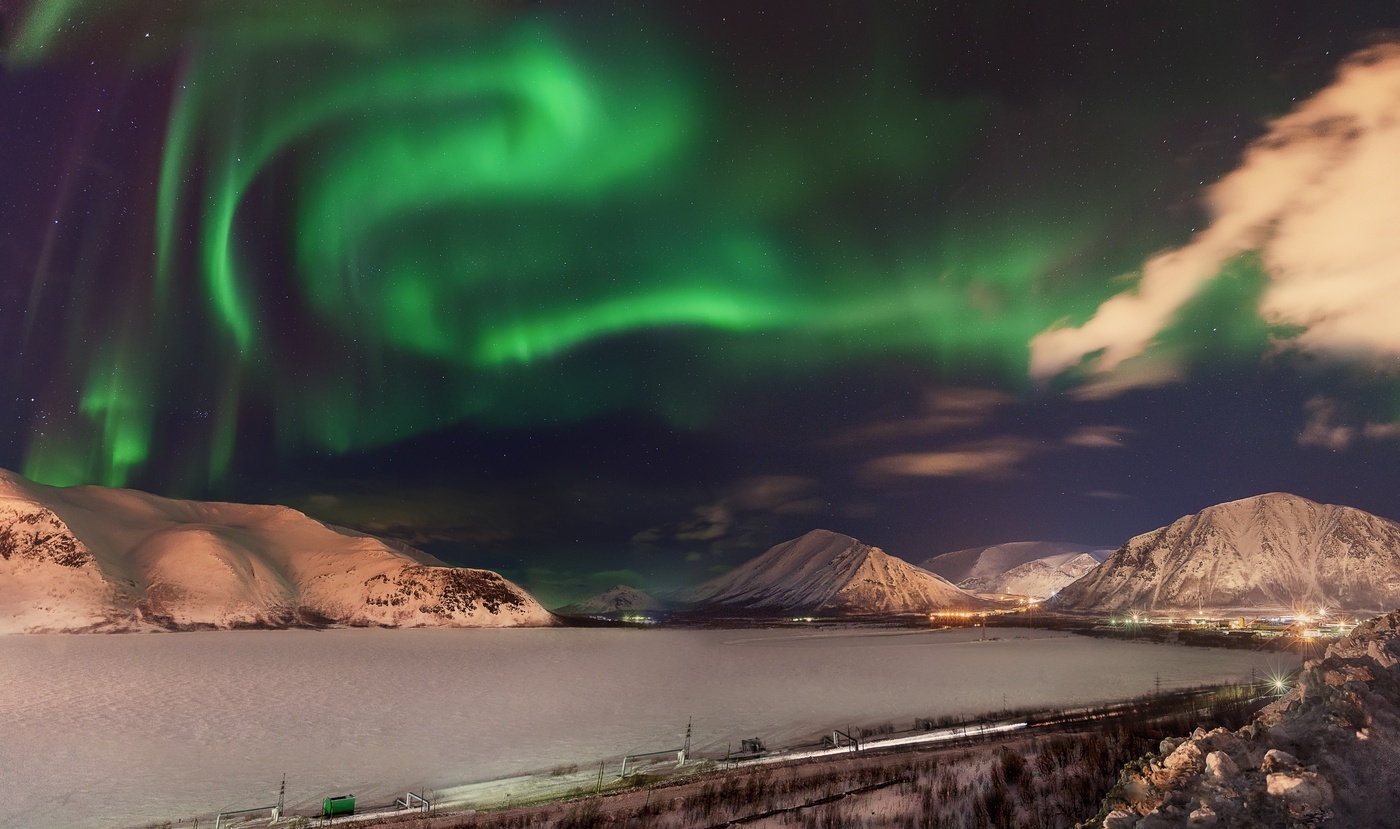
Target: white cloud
1155,368
1327,425
1324,426
1381,431
1319,198
985,459
1098,437
728,516
942,410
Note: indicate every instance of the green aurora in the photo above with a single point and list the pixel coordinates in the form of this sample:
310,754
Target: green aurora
464,212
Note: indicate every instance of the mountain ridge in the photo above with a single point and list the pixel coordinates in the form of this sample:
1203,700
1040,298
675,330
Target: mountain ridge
1274,550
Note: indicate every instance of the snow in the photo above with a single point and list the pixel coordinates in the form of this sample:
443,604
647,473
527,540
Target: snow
1038,579
1270,551
986,563
827,570
126,730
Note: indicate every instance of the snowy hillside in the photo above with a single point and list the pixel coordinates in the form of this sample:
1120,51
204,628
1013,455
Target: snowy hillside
979,565
1269,551
619,600
1040,578
100,559
824,570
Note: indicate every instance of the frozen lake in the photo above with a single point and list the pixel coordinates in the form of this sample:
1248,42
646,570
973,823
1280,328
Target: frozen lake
126,730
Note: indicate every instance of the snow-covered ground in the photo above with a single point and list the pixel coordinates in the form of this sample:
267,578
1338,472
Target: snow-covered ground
126,730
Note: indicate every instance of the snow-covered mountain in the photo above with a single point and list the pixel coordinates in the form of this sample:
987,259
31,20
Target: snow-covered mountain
1269,551
619,600
1039,578
980,565
829,571
92,558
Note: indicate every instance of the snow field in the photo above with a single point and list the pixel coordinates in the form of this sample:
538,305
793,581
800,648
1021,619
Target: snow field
125,730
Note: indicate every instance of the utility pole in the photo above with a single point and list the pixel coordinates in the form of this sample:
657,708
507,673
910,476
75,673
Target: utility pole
1159,683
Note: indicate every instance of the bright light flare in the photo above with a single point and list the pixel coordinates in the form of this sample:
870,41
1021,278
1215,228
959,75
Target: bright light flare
1278,684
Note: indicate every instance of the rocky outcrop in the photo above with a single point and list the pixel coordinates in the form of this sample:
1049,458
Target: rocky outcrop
1326,754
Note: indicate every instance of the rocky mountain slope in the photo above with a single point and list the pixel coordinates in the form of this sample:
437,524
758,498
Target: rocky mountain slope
1038,579
979,565
1327,754
97,559
1275,551
620,600
827,571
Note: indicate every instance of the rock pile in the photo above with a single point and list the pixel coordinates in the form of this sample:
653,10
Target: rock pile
1327,754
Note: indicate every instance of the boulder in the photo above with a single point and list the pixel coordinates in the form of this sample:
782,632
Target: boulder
1302,789
1220,766
1276,760
1186,758
1377,651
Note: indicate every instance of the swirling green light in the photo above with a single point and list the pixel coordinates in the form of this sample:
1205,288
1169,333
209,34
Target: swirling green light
453,212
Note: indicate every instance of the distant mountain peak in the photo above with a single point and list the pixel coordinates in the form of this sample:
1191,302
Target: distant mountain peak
621,599
825,570
982,565
1039,578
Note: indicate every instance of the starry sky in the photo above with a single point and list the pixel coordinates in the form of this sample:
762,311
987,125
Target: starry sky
629,291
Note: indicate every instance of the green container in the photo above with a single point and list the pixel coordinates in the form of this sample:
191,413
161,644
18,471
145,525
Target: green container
343,805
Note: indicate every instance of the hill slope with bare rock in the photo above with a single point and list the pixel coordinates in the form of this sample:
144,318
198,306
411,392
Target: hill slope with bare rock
97,559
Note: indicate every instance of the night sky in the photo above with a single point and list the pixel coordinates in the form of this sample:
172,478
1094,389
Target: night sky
608,291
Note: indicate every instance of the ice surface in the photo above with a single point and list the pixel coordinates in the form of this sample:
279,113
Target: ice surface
125,730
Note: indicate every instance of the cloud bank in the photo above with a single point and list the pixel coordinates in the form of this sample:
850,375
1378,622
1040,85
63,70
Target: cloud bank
1318,197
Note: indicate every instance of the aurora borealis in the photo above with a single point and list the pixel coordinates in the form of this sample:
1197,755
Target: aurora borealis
640,286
